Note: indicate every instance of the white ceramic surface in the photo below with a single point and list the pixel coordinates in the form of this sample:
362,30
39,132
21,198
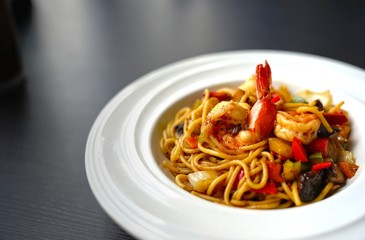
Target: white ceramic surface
123,158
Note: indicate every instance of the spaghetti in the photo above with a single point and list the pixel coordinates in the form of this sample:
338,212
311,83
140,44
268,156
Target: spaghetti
250,147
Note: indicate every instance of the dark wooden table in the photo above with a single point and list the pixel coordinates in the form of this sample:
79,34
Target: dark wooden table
77,54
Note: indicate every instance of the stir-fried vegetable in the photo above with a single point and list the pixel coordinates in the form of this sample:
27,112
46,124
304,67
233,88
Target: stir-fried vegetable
299,152
324,97
291,170
274,171
321,166
349,169
192,141
240,175
323,145
323,133
221,96
335,174
269,188
311,184
201,180
336,118
320,161
280,147
316,158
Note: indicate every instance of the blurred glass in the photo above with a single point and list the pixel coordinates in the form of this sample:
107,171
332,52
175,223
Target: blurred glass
11,71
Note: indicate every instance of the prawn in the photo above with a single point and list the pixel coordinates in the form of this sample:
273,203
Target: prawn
301,125
235,125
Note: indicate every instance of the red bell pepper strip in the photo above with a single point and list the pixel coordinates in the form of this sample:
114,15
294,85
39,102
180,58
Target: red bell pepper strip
349,169
269,188
319,145
336,118
275,171
320,166
299,152
240,175
221,96
193,142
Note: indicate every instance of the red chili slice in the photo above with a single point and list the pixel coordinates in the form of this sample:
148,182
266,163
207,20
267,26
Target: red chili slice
275,171
221,96
321,145
193,142
336,118
299,152
320,166
269,188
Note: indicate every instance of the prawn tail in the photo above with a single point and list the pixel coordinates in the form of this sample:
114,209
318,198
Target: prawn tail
263,114
263,80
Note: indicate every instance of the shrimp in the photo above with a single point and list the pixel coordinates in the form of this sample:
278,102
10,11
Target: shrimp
301,125
235,125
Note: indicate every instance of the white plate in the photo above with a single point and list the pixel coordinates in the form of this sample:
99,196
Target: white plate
122,153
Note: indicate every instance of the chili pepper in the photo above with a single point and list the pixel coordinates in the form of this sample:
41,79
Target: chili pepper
320,166
325,146
349,169
319,145
274,171
336,118
240,175
269,188
221,96
192,141
299,152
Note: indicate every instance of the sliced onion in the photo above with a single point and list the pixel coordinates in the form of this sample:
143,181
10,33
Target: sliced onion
201,180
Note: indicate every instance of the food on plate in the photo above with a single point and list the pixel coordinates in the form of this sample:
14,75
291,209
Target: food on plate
255,146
